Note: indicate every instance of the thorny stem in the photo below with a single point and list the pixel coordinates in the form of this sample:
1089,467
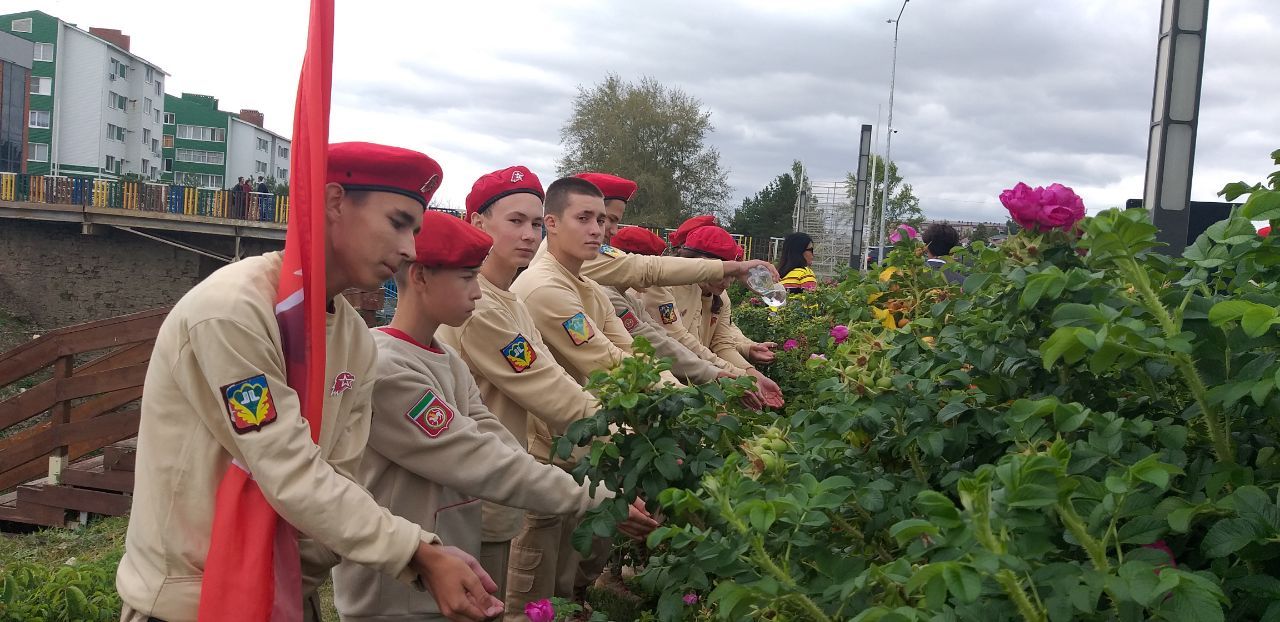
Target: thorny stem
1219,432
1097,550
1013,588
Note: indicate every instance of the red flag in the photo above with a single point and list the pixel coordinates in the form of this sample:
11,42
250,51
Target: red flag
252,570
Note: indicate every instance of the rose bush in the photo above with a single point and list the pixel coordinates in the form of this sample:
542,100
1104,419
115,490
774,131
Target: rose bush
1084,429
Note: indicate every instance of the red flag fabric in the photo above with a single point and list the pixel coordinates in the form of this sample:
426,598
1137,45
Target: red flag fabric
252,570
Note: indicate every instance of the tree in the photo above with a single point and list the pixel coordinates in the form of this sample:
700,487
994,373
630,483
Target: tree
904,207
653,135
770,211
981,233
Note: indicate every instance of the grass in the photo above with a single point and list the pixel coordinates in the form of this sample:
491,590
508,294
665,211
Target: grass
101,539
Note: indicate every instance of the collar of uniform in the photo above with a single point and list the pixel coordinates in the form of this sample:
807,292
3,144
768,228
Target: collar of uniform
487,288
403,336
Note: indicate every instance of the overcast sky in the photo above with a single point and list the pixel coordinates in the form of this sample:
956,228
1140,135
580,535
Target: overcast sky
989,92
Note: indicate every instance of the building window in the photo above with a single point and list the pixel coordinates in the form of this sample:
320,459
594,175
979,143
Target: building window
168,165
145,165
154,173
40,119
264,144
168,118
115,132
37,152
282,174
111,163
116,101
150,75
156,115
197,132
41,86
118,69
155,146
260,167
159,89
146,136
283,151
20,25
198,179
200,157
44,52
168,141
147,105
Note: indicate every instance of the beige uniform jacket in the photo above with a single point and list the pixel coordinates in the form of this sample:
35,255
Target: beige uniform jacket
518,377
713,330
684,362
660,304
616,268
219,350
434,452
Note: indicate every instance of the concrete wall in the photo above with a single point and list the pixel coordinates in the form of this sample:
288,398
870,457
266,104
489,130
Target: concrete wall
53,275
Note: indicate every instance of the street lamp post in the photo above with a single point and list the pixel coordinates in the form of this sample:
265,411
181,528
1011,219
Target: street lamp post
888,136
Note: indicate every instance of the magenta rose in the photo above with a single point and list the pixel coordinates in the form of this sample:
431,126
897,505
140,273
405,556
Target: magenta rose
1023,203
540,611
690,598
789,345
902,231
1060,207
839,333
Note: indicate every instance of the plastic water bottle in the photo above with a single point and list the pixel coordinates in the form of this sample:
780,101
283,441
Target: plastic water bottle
761,282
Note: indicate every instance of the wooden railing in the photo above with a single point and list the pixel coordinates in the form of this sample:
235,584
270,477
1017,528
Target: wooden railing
89,401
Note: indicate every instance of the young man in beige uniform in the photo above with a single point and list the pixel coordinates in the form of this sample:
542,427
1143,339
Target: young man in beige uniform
222,342
518,378
435,450
580,329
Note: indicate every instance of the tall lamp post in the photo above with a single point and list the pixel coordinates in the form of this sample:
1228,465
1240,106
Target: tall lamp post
888,136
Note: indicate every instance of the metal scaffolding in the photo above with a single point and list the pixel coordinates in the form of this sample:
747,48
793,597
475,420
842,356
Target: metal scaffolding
826,214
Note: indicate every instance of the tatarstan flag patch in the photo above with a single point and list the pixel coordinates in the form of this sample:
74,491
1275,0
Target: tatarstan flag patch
431,414
668,313
579,329
629,319
519,354
249,404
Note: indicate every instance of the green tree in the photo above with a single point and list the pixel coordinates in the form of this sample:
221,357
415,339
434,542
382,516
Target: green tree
770,211
904,207
654,135
981,233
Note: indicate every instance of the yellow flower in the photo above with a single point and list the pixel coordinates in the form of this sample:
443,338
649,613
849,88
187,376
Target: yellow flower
885,316
874,297
888,273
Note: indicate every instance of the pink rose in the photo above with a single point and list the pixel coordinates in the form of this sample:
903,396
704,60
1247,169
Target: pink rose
1023,203
1060,207
840,333
540,611
789,345
690,598
898,232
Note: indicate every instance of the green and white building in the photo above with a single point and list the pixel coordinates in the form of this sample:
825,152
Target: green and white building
96,108
208,147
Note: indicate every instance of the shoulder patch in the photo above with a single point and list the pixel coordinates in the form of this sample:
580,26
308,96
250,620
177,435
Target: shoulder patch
629,319
341,383
519,353
431,414
668,313
579,329
249,404
605,249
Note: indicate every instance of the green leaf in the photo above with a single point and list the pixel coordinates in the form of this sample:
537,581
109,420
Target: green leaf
1194,599
975,282
962,582
1075,314
951,411
1063,344
1140,577
911,528
762,515
1262,205
1228,536
629,400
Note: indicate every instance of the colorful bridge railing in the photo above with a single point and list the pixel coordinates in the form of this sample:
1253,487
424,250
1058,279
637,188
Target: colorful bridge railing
143,196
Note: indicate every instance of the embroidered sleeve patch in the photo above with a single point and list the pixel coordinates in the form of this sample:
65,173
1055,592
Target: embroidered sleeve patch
249,404
579,329
605,249
431,414
519,354
668,313
629,319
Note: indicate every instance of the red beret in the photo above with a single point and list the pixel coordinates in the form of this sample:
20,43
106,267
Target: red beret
493,186
379,168
638,240
714,241
611,186
450,242
678,236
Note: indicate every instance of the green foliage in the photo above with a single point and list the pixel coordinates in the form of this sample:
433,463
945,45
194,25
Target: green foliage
1083,430
73,592
769,212
904,206
651,134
